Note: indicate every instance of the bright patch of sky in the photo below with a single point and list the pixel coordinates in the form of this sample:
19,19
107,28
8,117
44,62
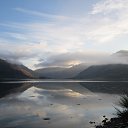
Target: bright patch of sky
37,32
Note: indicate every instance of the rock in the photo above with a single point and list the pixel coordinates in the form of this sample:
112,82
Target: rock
92,122
99,126
46,118
106,118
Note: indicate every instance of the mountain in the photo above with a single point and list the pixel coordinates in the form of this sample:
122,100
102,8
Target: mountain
60,73
105,72
52,72
14,71
122,54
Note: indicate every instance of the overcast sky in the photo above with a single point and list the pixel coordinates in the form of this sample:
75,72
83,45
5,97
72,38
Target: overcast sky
41,33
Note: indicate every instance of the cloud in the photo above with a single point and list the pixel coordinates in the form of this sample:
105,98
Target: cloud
109,6
19,36
69,59
89,58
40,14
111,20
63,40
113,23
17,53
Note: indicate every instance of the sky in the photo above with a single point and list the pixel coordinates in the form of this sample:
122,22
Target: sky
46,33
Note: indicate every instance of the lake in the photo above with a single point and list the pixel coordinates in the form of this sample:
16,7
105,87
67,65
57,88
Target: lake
58,104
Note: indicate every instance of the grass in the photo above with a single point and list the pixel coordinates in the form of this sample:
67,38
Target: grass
123,102
121,119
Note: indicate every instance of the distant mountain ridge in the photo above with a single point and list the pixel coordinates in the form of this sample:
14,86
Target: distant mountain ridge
60,73
121,53
81,71
105,72
14,71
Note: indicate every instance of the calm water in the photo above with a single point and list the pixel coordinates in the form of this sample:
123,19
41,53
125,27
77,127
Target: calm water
58,104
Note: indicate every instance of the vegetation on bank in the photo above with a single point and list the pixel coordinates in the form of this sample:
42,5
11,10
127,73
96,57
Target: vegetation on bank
123,114
121,121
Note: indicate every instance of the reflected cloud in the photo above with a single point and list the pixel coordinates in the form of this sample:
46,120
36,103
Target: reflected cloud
63,106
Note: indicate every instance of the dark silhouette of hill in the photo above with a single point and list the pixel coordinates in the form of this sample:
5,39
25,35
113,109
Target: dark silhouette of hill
14,71
105,72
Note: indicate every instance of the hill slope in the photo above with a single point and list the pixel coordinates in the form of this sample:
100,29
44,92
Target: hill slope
14,71
105,72
61,73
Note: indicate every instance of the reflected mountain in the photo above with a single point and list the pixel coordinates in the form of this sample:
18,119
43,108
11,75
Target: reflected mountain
106,87
81,87
9,88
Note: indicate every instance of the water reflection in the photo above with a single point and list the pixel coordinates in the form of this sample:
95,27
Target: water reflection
8,88
54,105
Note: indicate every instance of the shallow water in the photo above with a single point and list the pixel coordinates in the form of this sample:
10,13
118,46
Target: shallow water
55,105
